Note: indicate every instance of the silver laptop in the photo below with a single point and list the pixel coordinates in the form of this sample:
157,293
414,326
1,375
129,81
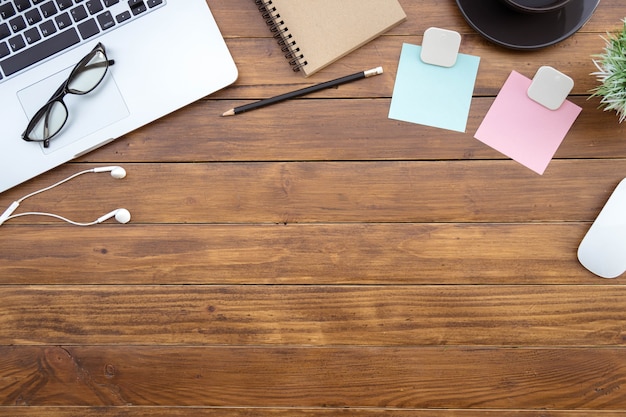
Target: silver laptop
164,54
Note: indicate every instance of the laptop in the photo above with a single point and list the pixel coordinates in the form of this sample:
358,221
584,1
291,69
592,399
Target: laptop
166,53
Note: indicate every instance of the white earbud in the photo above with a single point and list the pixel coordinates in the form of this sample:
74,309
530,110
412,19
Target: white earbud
121,215
116,172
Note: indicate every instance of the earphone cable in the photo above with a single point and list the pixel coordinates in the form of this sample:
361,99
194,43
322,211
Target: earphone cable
56,216
53,186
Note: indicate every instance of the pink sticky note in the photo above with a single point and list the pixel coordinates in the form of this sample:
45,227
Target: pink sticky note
523,129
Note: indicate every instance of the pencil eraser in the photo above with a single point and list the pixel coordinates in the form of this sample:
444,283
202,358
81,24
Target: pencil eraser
550,87
440,47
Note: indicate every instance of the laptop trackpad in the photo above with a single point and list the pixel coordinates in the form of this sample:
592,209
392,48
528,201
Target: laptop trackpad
87,113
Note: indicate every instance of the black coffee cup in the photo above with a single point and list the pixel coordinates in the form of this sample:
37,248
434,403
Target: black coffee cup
536,6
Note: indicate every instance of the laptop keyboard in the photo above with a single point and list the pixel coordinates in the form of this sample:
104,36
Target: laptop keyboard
33,30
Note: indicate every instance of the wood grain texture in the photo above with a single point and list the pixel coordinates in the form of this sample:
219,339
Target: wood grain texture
400,254
315,315
200,134
313,192
160,411
315,258
335,377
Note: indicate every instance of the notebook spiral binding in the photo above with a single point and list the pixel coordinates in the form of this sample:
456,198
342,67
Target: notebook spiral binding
281,33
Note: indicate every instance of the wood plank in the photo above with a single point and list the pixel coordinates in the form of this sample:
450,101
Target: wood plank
434,377
134,411
314,315
240,18
265,73
200,134
321,254
303,192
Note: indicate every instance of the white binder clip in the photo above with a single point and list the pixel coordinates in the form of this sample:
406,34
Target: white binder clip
440,47
550,87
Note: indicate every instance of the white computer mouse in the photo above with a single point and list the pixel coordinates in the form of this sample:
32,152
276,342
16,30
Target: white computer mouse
603,249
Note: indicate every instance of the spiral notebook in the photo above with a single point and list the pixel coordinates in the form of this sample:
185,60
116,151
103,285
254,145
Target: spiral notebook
316,33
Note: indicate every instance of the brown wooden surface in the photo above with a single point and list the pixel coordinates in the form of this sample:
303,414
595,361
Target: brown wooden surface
315,258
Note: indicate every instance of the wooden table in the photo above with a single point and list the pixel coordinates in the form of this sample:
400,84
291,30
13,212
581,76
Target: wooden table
315,258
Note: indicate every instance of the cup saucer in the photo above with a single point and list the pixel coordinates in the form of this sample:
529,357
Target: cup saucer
499,23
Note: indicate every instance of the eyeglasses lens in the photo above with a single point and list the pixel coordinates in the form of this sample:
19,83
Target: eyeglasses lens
48,122
87,76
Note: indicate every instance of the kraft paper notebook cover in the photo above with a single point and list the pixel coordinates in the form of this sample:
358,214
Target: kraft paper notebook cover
316,33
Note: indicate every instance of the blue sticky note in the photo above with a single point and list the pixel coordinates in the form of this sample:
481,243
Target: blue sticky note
432,95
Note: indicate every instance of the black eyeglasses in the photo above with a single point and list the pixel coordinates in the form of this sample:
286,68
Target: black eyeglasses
84,78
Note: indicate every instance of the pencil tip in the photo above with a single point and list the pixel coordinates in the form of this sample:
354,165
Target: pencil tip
230,112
